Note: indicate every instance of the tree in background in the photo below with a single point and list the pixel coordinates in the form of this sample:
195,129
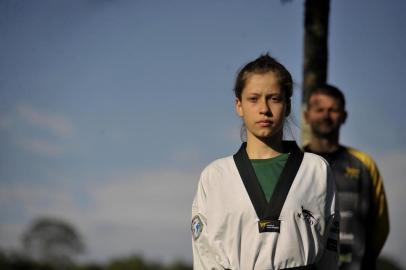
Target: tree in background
315,51
53,241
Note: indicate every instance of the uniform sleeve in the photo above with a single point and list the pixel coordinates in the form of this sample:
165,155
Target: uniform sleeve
379,229
203,254
378,217
329,259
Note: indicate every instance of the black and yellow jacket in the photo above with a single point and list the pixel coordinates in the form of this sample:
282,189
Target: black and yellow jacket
364,212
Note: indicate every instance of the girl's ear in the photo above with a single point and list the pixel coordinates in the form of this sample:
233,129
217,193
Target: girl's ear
238,107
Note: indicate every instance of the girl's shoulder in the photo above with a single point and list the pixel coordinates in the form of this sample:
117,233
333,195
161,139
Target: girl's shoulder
315,160
219,172
318,171
316,168
219,166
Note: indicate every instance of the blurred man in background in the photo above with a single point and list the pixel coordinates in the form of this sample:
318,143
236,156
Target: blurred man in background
364,214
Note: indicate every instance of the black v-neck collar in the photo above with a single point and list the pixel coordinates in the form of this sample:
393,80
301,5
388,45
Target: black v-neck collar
272,209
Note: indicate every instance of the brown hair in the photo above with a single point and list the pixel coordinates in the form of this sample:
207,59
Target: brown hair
263,64
329,90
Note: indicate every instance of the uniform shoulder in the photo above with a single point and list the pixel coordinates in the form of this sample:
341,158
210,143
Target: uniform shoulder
365,158
218,165
316,173
315,159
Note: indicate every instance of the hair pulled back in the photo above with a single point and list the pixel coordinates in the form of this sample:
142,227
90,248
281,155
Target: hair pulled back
264,64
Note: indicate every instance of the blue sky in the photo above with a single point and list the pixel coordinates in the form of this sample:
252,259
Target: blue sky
110,109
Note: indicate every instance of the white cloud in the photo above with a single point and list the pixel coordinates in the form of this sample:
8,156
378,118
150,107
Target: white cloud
144,213
10,236
57,124
42,147
29,128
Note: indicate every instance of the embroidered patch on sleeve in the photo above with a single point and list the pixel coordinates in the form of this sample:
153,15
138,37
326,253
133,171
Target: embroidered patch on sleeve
197,227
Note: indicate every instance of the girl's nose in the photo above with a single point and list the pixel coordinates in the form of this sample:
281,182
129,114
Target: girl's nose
265,109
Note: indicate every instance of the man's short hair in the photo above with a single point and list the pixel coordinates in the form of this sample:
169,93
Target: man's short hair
329,90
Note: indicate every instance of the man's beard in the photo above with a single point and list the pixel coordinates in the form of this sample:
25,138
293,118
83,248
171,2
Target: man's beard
324,129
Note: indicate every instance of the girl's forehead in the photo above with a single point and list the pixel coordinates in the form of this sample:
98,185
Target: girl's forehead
262,82
255,75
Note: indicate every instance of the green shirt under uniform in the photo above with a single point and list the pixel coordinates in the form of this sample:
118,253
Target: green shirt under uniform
268,172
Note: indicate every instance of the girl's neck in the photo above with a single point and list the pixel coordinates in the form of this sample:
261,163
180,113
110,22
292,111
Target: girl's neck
264,148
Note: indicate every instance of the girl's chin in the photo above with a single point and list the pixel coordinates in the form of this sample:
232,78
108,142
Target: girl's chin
267,136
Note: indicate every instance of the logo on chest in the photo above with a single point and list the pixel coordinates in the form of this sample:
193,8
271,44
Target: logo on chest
352,173
269,225
307,216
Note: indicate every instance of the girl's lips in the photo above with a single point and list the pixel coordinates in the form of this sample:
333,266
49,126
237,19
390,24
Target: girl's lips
264,123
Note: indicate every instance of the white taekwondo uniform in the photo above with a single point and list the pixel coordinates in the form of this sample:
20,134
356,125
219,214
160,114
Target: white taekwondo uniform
234,227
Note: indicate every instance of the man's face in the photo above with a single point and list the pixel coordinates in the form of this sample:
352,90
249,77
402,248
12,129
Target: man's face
325,115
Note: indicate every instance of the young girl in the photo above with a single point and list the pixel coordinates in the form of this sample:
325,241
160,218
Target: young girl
270,206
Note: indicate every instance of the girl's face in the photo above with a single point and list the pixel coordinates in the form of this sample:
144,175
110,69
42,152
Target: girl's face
262,106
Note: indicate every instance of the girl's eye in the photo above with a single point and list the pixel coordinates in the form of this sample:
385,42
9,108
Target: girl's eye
276,99
252,99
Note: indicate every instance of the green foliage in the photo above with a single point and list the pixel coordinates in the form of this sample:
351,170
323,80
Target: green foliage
15,261
133,262
89,267
138,263
179,266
